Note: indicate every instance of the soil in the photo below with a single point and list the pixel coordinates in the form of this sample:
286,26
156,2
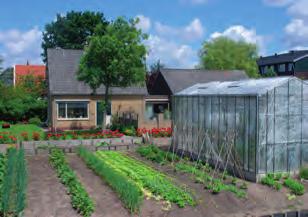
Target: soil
46,196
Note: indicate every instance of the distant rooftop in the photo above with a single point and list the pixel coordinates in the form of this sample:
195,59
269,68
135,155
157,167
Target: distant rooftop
289,57
243,87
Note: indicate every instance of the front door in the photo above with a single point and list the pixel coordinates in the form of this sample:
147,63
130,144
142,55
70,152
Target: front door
100,112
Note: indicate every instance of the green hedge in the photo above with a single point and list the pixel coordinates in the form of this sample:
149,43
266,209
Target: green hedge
14,184
129,192
79,197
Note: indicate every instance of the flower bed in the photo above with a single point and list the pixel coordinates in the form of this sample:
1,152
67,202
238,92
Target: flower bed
155,132
7,138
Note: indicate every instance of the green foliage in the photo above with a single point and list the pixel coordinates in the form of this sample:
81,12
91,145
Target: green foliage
2,174
153,153
14,186
18,130
17,104
296,187
71,31
146,177
270,181
79,197
226,54
303,173
201,171
129,131
129,192
35,121
270,73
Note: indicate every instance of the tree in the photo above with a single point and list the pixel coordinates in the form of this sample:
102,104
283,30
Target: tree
71,31
6,76
114,57
225,54
156,66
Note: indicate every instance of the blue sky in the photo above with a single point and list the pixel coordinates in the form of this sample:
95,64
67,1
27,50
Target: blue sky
176,28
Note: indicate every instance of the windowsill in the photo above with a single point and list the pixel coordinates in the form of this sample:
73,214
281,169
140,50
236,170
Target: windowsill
73,119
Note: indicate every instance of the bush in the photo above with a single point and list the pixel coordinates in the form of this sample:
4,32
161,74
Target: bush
35,121
129,131
303,173
36,136
296,187
79,196
271,182
129,192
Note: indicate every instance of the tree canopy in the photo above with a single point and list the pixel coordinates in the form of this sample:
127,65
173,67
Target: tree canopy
71,31
226,54
115,57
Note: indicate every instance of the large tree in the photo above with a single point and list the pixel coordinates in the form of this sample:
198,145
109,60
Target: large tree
71,31
226,54
115,57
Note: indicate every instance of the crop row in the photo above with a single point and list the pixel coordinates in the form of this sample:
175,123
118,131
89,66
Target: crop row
147,178
128,191
79,197
13,178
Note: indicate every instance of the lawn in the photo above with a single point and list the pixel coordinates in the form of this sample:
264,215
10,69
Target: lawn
17,129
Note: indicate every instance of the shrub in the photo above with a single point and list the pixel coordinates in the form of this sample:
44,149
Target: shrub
79,197
35,121
270,181
303,173
296,187
129,131
129,192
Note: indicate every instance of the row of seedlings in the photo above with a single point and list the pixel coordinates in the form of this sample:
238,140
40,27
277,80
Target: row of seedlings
80,199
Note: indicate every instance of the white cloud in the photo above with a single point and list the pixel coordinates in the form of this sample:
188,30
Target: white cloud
194,2
144,22
240,33
299,9
296,33
193,31
170,53
19,46
278,3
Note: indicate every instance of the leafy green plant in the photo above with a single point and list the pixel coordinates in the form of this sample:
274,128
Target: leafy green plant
296,187
146,177
303,173
35,121
14,186
271,182
153,153
130,193
79,197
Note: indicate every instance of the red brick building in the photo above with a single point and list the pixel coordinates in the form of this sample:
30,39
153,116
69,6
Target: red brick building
38,71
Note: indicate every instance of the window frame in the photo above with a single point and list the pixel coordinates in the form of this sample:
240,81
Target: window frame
72,101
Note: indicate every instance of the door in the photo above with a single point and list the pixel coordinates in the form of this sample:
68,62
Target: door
100,112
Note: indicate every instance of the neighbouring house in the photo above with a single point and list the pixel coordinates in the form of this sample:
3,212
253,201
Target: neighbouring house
72,105
20,71
166,82
254,126
294,63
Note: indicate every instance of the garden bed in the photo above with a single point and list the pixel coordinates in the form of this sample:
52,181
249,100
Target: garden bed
259,200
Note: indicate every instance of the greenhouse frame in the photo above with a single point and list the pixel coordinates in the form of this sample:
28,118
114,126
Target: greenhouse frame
263,122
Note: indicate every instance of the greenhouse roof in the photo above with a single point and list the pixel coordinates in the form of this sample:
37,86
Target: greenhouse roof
244,87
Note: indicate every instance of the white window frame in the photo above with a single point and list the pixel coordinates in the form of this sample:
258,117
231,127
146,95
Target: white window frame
68,101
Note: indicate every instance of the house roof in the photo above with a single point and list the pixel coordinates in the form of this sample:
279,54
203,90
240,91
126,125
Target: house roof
244,87
35,70
290,57
179,79
62,76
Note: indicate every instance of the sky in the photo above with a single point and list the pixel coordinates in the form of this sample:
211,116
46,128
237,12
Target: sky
176,28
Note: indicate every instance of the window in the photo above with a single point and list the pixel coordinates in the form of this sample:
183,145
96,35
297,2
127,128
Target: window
290,67
281,68
73,110
153,109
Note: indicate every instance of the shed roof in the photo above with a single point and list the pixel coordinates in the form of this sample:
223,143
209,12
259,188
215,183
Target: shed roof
179,79
251,87
62,68
290,57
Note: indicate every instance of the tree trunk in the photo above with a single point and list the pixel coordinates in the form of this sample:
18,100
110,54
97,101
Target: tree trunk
105,107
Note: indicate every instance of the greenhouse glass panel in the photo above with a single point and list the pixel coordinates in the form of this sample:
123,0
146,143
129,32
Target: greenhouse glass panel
260,123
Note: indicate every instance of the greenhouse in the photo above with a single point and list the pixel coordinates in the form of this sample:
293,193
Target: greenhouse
251,127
